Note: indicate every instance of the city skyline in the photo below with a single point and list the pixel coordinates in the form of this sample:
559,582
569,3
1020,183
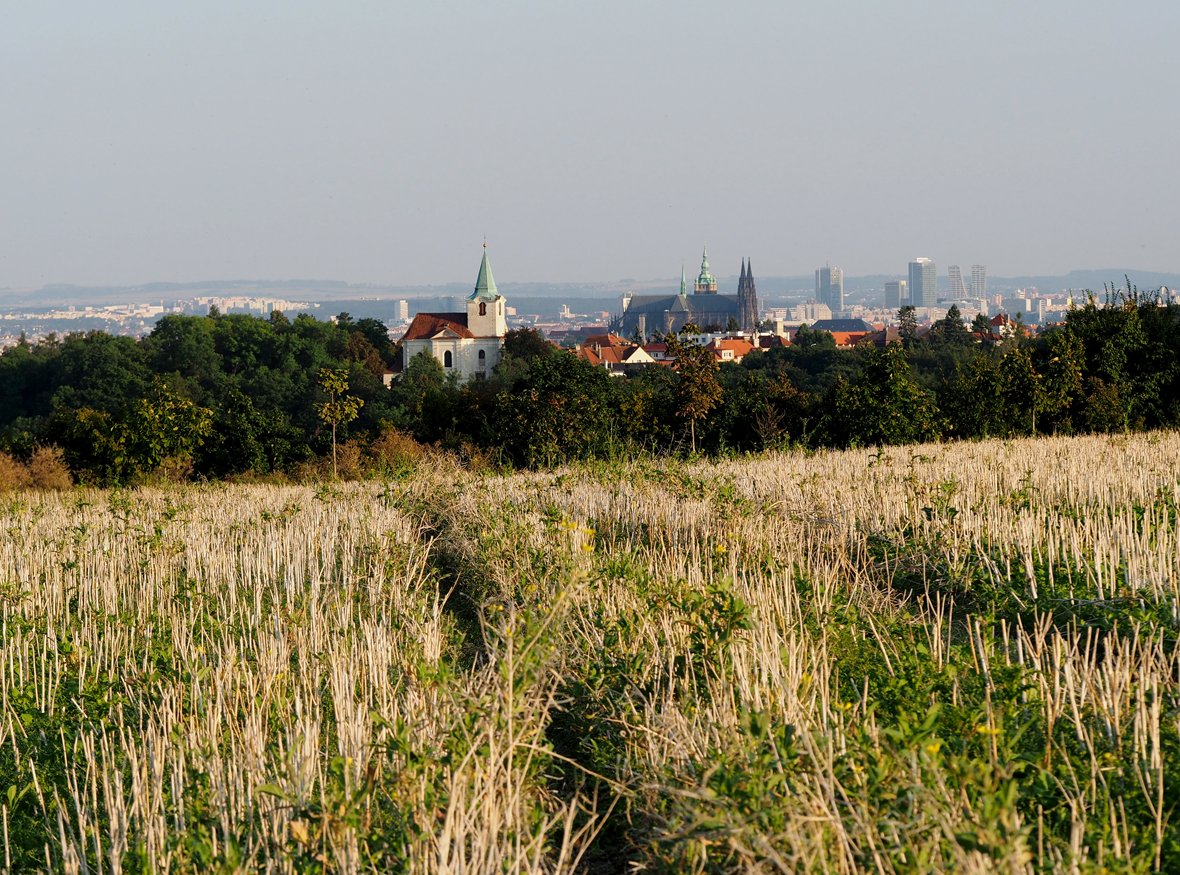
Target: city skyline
378,142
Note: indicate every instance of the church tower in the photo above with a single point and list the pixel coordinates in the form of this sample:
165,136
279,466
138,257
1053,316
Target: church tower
747,299
706,283
485,306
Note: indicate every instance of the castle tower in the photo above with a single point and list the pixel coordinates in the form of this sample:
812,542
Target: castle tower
747,299
706,283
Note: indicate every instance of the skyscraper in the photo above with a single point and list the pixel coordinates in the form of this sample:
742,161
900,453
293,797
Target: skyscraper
958,289
896,294
923,283
829,287
978,281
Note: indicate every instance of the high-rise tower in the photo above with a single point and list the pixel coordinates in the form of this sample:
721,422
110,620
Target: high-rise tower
896,294
706,283
829,288
923,283
978,281
747,299
958,289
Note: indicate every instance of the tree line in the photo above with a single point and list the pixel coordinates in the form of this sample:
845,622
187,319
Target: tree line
233,395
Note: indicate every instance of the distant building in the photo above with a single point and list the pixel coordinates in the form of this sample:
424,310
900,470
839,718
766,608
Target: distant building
810,311
467,344
923,283
978,281
645,315
958,287
896,294
403,311
829,287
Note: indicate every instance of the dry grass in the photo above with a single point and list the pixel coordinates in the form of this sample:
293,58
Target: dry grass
944,658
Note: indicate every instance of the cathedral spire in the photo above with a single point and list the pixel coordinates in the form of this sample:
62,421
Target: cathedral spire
706,283
683,283
747,299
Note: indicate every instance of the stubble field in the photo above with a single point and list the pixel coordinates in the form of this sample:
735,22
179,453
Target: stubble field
936,658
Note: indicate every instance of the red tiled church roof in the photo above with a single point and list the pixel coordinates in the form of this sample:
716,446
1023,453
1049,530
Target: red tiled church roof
427,325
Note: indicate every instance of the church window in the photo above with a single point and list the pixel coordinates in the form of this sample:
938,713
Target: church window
483,358
448,359
483,309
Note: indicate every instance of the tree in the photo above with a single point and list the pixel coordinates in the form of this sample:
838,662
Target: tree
808,338
339,409
1020,386
697,388
971,399
881,405
160,427
949,330
1061,376
907,325
560,411
982,326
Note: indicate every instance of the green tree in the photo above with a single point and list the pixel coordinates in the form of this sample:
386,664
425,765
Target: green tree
883,404
697,388
907,325
163,426
808,338
1020,387
970,399
562,411
982,326
950,330
1061,377
339,409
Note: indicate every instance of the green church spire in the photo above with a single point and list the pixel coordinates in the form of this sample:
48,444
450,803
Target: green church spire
683,284
485,286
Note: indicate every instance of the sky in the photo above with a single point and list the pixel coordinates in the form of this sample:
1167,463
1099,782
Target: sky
380,142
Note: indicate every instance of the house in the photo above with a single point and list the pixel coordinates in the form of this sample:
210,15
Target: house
613,353
468,344
730,349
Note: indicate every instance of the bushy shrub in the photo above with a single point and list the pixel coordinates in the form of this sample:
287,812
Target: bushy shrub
394,451
47,469
13,475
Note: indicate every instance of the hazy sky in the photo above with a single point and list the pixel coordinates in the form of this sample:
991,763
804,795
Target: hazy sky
380,141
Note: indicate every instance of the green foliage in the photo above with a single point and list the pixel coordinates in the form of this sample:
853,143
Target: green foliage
560,413
1112,367
883,405
339,409
697,388
808,338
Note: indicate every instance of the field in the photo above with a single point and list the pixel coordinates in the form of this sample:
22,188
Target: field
937,658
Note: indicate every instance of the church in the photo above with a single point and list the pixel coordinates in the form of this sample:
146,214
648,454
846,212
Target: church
645,315
467,344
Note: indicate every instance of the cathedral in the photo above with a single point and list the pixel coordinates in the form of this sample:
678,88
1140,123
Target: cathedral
645,315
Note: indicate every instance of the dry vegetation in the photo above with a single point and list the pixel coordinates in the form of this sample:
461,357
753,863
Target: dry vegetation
931,658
